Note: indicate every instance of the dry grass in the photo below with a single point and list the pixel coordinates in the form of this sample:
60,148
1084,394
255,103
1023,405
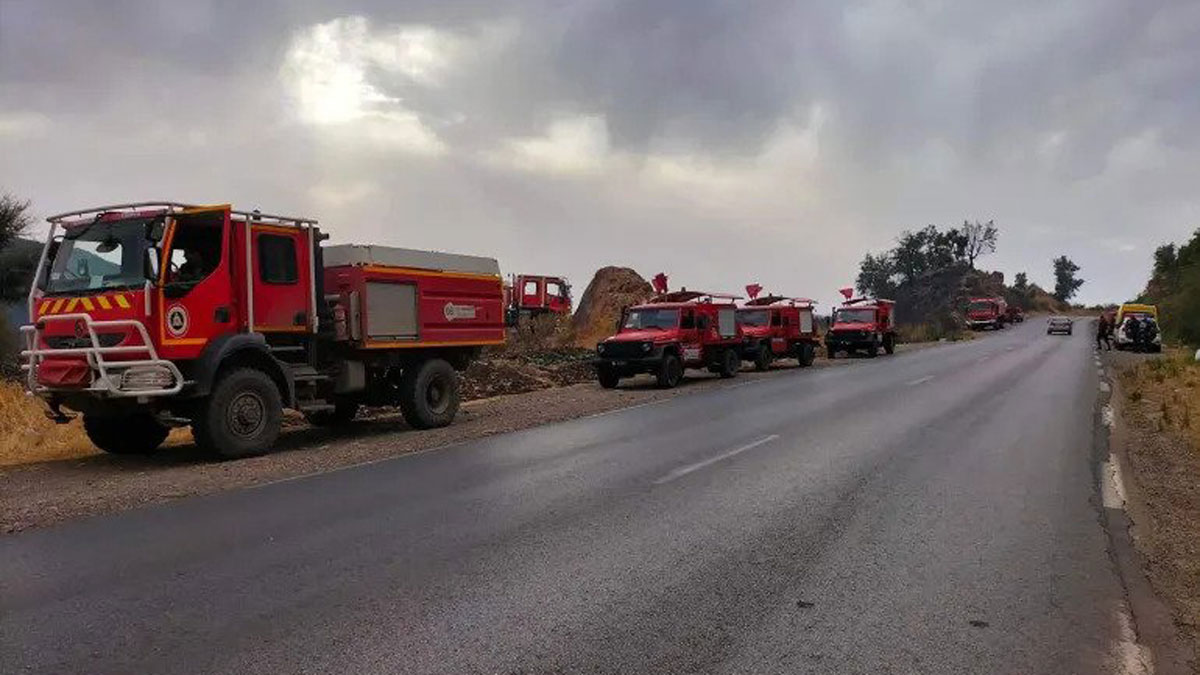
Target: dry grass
27,436
1169,389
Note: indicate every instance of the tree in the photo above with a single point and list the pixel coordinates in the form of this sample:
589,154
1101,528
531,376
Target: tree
876,276
980,239
1021,282
14,219
1065,282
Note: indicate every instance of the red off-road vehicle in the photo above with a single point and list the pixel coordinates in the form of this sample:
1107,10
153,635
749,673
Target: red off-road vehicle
776,327
862,324
987,313
158,314
673,331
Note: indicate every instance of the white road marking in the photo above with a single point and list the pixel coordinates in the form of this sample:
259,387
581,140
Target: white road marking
1112,487
1104,387
920,381
1129,657
685,470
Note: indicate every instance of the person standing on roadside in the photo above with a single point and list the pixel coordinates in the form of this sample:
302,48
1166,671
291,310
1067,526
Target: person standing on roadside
1104,329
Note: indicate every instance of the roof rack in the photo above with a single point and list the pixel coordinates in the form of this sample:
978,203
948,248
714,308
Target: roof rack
692,296
172,207
778,299
856,301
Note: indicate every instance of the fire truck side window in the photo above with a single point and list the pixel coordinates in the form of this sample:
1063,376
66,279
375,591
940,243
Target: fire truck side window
277,259
530,288
688,321
553,290
776,319
195,252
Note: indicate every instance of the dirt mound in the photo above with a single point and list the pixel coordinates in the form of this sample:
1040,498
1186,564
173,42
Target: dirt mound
610,291
504,373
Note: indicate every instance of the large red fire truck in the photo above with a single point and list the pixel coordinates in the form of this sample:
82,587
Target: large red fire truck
864,324
152,315
777,327
987,313
671,332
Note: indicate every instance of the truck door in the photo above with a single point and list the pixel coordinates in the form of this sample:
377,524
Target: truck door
195,301
282,282
689,335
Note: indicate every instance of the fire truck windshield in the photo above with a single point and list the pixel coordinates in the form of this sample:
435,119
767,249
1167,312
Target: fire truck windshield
101,256
980,306
757,317
641,319
855,316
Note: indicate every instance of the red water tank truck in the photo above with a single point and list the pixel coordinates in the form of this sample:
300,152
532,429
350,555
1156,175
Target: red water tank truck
775,327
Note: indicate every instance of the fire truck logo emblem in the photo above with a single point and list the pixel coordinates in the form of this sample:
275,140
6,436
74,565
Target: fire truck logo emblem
454,312
177,320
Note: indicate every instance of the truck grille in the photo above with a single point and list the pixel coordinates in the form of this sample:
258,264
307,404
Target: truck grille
72,342
622,350
849,335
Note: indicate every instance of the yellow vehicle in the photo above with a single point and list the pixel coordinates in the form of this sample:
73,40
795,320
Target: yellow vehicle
1123,340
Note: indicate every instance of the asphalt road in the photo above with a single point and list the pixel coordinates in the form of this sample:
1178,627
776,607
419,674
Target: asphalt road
931,512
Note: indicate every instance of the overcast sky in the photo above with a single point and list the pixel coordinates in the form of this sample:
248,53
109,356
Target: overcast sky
721,142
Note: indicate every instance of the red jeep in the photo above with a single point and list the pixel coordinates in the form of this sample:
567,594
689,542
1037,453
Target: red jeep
778,327
673,331
862,324
987,313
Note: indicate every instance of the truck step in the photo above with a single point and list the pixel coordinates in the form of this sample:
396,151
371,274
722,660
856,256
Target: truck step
316,407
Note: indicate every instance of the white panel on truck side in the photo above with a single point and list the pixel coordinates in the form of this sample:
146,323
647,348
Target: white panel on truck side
391,311
391,256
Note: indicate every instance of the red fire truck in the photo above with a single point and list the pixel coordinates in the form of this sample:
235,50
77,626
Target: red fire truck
862,324
528,295
152,315
987,313
777,327
671,332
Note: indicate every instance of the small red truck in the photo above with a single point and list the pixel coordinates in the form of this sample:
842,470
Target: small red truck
529,295
987,313
1015,314
154,315
777,327
862,324
671,332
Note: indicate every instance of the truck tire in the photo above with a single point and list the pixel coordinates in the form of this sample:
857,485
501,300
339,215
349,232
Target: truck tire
241,417
889,344
763,358
670,372
805,354
609,377
873,350
344,411
730,363
429,395
137,434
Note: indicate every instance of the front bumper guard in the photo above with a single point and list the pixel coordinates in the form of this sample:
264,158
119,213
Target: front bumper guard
107,377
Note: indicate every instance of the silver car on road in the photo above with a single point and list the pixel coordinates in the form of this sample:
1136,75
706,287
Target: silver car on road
1060,324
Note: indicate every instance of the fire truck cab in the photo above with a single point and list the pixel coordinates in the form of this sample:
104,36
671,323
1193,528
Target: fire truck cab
672,332
778,327
529,295
864,324
987,313
153,315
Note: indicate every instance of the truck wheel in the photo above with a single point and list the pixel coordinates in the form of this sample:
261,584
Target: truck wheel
429,395
873,350
137,434
241,417
762,359
670,372
889,344
344,411
731,363
609,377
805,353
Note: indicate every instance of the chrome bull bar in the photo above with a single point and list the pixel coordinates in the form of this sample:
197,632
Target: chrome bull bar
108,378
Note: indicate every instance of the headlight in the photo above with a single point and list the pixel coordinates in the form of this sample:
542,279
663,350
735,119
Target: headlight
647,346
